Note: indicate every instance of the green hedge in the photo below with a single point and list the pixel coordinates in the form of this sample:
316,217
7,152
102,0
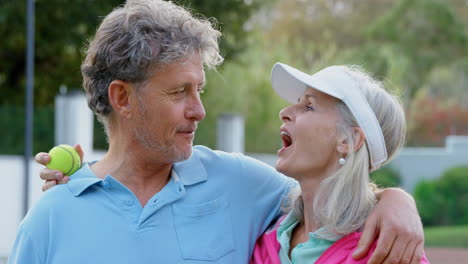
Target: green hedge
446,236
386,177
12,119
444,201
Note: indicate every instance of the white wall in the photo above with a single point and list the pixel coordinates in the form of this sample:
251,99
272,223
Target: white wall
11,197
415,164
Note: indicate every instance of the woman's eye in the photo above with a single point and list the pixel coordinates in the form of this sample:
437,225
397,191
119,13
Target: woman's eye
310,108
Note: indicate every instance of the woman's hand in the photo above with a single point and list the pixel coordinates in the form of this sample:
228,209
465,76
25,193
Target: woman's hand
396,223
53,177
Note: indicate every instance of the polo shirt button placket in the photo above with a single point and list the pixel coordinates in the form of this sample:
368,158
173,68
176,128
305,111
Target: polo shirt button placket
106,184
130,202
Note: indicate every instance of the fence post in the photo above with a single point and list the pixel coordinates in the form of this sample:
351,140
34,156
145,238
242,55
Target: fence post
73,120
230,133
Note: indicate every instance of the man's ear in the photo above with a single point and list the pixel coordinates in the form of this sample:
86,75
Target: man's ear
119,97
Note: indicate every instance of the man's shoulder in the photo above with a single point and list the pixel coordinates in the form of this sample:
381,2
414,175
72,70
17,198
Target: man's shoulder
56,197
39,216
246,168
206,154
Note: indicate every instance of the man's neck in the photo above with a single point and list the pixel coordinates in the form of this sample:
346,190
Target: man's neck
136,168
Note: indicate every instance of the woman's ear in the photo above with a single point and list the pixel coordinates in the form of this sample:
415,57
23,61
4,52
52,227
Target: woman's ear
119,97
342,146
359,138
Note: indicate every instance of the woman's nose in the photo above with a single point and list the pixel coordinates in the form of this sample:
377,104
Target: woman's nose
286,114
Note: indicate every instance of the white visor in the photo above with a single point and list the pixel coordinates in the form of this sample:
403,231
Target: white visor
290,84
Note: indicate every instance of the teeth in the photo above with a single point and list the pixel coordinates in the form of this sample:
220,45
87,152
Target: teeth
285,135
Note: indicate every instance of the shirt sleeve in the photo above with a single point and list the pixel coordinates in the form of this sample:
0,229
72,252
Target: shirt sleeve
265,189
24,250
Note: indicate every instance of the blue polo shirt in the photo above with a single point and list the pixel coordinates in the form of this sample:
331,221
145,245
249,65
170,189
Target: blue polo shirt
211,211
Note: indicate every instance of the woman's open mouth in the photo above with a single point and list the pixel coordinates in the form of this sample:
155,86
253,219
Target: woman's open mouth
287,140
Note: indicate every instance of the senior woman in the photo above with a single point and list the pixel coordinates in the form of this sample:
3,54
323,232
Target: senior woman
341,126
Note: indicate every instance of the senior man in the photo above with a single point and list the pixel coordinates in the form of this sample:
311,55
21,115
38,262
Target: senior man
153,198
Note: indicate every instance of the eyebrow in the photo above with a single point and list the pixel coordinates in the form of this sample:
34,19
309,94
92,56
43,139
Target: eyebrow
307,96
200,84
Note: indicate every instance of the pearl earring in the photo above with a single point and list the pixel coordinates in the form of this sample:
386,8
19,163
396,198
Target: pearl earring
341,161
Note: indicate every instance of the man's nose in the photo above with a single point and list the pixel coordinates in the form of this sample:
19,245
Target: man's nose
195,110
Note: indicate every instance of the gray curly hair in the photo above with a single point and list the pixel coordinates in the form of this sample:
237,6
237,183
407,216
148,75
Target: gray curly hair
136,39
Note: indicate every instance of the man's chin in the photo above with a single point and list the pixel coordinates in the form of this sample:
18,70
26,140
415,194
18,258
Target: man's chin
184,154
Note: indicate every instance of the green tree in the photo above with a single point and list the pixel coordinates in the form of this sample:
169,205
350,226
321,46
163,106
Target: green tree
62,29
426,32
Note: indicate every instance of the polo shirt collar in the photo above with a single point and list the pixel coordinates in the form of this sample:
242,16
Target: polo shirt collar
191,171
82,179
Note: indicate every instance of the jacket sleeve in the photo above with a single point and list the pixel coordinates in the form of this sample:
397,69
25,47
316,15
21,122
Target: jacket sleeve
266,249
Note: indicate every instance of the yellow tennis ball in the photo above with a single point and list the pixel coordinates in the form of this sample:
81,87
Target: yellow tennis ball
65,159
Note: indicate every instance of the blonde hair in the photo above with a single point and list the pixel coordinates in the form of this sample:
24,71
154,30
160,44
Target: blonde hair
345,199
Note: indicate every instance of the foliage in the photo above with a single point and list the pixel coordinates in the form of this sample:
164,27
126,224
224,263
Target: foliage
447,236
403,41
444,201
231,17
417,47
245,92
61,30
386,177
63,27
11,138
426,32
431,119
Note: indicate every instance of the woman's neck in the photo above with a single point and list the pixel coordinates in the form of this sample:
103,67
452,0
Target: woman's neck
309,188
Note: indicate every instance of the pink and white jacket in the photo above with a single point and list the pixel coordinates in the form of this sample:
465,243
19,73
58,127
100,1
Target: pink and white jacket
267,248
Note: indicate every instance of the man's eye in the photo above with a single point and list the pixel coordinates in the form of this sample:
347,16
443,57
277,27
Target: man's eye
201,91
310,108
